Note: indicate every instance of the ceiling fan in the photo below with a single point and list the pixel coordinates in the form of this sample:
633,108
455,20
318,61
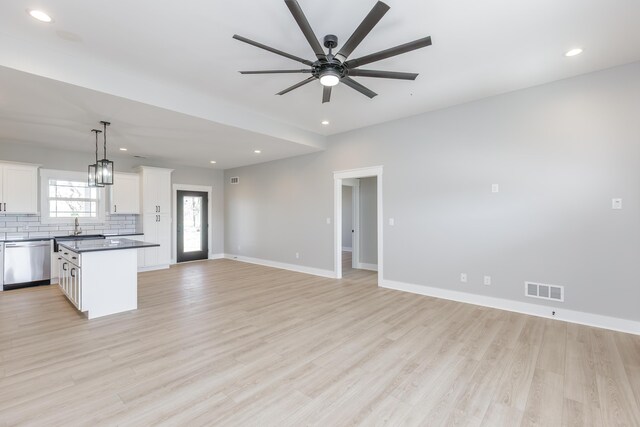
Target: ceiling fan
332,69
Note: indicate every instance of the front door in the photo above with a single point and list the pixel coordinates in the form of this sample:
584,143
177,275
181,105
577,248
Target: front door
193,228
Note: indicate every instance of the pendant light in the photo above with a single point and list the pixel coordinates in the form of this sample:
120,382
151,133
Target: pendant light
104,167
93,181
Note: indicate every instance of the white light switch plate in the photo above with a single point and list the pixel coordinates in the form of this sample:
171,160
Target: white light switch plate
392,221
495,188
328,220
616,203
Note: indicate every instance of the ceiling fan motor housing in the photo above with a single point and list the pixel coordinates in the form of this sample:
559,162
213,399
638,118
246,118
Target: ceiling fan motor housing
330,41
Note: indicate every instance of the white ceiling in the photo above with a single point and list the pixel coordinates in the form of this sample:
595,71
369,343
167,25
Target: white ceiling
180,56
40,111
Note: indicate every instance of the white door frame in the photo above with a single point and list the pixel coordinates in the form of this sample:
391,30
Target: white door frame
174,235
338,176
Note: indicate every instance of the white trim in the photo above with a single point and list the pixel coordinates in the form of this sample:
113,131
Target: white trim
345,249
154,268
216,256
174,231
338,176
582,318
367,266
284,266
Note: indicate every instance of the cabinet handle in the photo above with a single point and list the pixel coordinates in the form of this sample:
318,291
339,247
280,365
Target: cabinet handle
64,265
115,208
72,270
5,206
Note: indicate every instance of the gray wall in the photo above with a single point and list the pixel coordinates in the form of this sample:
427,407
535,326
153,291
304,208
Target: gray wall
560,152
347,216
369,220
75,161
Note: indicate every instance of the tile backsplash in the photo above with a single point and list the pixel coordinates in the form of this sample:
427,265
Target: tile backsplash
14,226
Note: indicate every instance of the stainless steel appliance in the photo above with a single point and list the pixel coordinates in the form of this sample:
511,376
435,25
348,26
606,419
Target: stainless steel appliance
27,263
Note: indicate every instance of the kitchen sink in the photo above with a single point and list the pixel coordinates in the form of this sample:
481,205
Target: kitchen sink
80,237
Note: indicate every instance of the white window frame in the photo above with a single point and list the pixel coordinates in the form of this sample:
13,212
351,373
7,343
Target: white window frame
45,176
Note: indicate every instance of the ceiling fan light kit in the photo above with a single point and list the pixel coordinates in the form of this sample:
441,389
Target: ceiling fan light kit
332,69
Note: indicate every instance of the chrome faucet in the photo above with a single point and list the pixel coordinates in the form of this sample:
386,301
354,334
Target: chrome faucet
76,228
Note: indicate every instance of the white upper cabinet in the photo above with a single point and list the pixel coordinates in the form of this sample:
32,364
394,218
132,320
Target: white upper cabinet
155,190
125,194
18,188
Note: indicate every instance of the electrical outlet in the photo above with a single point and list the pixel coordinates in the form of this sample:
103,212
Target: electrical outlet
487,280
616,203
297,255
463,277
495,188
328,221
392,221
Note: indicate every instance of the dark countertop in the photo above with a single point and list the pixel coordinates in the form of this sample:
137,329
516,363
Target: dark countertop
107,244
66,236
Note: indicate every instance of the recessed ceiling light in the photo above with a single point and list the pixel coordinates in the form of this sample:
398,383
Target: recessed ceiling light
123,149
257,151
325,122
213,162
40,15
574,52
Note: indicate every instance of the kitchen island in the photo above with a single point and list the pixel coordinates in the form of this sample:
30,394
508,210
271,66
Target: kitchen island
100,276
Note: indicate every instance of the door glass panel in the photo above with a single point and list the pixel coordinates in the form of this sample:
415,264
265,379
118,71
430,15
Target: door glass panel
192,224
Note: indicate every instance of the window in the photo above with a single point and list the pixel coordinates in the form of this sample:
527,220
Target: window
66,195
70,199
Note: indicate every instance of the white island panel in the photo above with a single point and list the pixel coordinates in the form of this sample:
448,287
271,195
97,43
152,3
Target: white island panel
109,282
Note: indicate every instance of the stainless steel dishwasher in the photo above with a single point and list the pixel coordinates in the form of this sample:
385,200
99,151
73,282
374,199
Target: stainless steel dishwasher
27,263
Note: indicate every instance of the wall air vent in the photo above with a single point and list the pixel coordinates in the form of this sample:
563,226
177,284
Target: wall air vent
543,291
235,180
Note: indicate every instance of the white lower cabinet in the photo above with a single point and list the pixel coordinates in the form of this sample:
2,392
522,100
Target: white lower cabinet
70,276
157,229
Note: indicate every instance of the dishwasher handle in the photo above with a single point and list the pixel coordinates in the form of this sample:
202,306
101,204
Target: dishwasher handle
27,244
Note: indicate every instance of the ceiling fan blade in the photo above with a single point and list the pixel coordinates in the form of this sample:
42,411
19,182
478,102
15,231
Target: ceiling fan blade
304,25
370,21
383,74
270,49
326,94
297,85
357,86
276,71
387,53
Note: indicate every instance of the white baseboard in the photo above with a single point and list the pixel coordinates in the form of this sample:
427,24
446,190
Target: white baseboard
596,320
216,256
155,267
291,267
346,249
366,266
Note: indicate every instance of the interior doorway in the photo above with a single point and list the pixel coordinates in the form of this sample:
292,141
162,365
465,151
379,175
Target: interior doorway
358,195
192,238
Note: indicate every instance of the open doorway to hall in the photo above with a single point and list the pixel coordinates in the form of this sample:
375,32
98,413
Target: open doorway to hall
359,226
358,223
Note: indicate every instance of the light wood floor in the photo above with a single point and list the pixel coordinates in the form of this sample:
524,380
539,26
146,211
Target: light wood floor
226,343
